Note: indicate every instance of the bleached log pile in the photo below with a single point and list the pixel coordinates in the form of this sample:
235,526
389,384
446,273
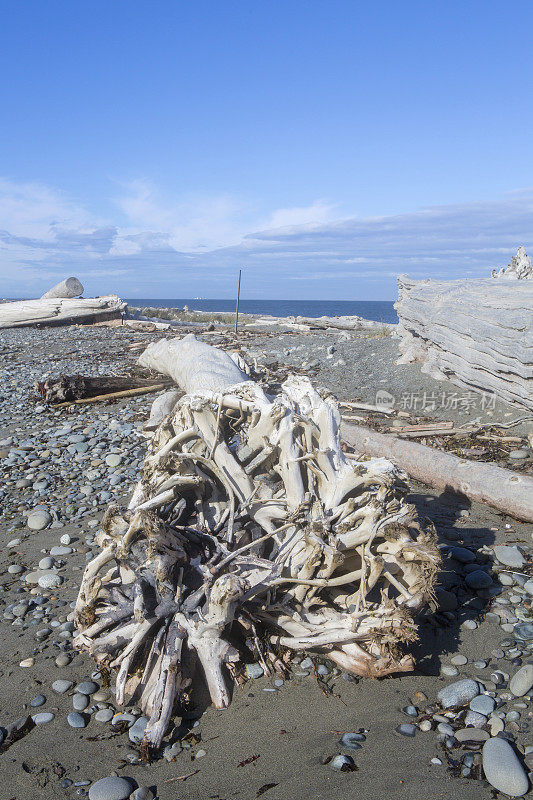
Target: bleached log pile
249,527
60,311
346,323
476,333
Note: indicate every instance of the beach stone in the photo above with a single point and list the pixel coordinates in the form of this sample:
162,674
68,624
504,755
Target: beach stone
27,662
113,460
522,681
60,550
475,720
63,660
87,687
50,581
459,660
458,693
136,732
38,520
113,788
519,454
80,702
46,563
528,586
523,631
462,554
476,580
38,700
510,556
471,735
61,686
450,672
76,720
483,704
142,793
352,741
104,715
341,762
406,730
503,769
254,670
44,718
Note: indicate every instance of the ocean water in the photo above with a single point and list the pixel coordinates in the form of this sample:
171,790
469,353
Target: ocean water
378,310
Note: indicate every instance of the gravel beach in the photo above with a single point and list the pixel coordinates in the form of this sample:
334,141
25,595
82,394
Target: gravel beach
61,468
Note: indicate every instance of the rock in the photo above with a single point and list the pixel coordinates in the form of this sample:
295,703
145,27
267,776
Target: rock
474,720
471,735
38,520
528,586
459,660
63,660
113,788
352,741
80,702
462,554
447,601
503,769
406,730
254,670
61,686
38,700
458,693
113,460
483,704
27,662
60,551
104,715
523,631
87,687
342,763
136,732
477,580
50,581
76,720
519,454
510,556
44,718
522,681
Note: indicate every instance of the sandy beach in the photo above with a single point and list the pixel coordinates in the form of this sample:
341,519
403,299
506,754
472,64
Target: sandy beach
276,738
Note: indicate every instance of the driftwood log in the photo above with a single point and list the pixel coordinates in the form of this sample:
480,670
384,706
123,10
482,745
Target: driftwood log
60,311
66,388
510,492
70,287
476,333
249,525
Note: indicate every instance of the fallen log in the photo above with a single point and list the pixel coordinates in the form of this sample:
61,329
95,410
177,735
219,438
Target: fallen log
74,388
60,311
70,287
507,491
249,525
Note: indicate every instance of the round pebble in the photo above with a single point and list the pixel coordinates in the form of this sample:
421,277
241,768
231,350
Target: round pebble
522,681
43,718
76,720
503,769
38,520
62,686
341,762
510,556
406,730
112,788
458,693
87,687
80,702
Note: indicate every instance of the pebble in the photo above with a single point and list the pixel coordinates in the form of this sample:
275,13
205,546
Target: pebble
459,660
76,720
474,719
87,687
510,556
38,520
471,735
436,761
254,670
425,725
43,718
61,686
38,700
136,732
340,762
406,730
50,581
113,460
143,793
483,704
27,662
63,660
528,586
478,580
458,693
80,702
450,672
519,454
112,788
104,715
503,769
523,631
522,681
352,741
462,554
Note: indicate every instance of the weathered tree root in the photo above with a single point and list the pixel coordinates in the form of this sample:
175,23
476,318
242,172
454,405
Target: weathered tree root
248,518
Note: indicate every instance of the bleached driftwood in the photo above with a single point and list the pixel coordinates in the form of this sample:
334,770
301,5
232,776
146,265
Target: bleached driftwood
476,333
250,522
346,323
510,492
60,311
70,287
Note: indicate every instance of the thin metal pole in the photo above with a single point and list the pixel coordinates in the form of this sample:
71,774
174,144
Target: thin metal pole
237,307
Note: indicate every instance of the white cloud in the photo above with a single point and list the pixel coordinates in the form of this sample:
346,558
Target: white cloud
188,246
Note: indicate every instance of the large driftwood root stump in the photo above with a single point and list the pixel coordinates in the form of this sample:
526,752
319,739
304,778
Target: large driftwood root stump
249,523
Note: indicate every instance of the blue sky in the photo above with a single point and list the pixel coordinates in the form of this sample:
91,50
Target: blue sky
153,148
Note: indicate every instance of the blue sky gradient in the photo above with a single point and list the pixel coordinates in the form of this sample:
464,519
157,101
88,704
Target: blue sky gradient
155,148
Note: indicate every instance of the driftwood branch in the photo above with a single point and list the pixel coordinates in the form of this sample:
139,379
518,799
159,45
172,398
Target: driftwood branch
249,524
510,492
60,311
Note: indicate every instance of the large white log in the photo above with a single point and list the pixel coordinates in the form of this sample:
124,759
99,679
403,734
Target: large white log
510,492
55,311
70,287
476,333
